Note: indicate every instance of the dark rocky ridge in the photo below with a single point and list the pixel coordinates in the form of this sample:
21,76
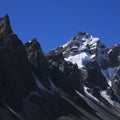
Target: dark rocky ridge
5,27
34,86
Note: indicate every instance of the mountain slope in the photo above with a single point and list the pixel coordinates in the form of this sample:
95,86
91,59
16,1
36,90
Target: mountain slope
69,83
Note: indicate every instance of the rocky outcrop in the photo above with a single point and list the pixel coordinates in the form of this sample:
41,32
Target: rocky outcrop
65,74
39,63
5,27
36,57
15,72
114,55
95,77
116,82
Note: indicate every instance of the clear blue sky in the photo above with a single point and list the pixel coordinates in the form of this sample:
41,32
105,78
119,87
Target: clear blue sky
54,22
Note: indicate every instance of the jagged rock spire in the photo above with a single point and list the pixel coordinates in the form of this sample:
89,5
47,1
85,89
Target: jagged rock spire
5,27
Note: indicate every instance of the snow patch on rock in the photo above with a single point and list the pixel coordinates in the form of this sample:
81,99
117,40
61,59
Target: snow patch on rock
79,59
108,74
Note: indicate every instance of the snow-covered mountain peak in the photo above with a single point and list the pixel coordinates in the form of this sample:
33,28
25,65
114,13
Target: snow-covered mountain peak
82,36
78,40
82,48
82,42
85,47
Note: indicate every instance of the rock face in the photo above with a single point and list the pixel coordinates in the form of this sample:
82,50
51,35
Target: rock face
15,70
114,55
76,81
5,27
65,72
116,82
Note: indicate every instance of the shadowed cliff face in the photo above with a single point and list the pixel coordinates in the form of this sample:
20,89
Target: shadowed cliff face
35,86
5,27
15,72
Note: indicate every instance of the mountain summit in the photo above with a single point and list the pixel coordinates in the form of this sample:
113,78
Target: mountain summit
76,81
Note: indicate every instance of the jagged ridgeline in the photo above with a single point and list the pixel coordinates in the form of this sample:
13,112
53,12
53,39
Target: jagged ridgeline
76,81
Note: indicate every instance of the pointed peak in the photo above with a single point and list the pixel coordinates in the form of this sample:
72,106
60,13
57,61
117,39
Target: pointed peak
33,44
81,36
5,27
82,33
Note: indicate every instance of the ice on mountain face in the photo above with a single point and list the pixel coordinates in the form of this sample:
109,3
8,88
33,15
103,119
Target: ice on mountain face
109,83
109,51
79,59
104,95
108,74
80,38
82,48
93,56
93,41
74,47
88,94
65,45
81,42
